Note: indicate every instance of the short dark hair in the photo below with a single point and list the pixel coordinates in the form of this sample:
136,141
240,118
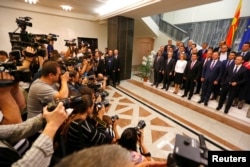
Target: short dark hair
49,67
2,52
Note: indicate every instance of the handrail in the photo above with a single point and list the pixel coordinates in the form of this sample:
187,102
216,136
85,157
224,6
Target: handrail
172,30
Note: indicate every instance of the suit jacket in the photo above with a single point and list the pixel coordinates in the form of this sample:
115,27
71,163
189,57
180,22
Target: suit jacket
158,63
117,62
168,67
246,56
202,54
213,74
100,66
194,72
109,63
225,65
240,77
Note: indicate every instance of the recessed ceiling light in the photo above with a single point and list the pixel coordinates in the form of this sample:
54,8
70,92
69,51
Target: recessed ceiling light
66,7
31,1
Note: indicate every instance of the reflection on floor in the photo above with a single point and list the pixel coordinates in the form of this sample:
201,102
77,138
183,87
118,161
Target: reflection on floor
165,118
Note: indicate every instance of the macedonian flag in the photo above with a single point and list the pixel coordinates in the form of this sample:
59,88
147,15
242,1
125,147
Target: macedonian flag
233,26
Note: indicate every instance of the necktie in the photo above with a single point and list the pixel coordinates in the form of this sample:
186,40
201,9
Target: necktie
228,62
212,65
192,65
243,54
235,70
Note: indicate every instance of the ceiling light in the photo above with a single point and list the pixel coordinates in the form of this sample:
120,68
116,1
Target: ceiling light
66,7
31,1
113,5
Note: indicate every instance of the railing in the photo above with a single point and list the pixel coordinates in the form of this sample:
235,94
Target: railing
173,31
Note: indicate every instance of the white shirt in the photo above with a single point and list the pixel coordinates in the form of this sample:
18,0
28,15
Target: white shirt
180,66
223,56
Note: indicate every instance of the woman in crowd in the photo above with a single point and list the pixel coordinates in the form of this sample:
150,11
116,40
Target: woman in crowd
179,71
79,132
129,140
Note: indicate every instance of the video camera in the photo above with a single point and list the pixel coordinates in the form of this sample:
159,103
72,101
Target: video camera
188,152
19,75
71,42
70,102
23,22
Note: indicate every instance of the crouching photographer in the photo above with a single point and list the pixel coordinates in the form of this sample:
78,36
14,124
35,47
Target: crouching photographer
130,138
40,153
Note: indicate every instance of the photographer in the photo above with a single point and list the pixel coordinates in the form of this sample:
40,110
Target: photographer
3,56
73,83
12,100
103,123
46,88
129,140
78,132
40,153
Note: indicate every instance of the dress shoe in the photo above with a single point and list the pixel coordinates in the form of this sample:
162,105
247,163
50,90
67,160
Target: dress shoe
218,108
174,92
201,101
163,88
213,98
235,103
183,95
205,103
226,111
189,98
240,106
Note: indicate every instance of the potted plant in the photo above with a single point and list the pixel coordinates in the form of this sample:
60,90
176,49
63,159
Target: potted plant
145,67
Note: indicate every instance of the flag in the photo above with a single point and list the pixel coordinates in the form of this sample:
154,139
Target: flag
233,26
246,35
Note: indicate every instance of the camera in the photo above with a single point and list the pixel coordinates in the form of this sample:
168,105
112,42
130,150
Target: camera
70,102
71,62
69,43
19,75
114,118
24,21
52,37
188,152
141,125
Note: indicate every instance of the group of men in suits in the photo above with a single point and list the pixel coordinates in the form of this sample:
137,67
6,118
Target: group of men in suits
113,67
217,72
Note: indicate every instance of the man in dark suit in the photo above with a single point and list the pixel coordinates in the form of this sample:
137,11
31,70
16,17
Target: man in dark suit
204,61
109,67
157,65
233,79
210,77
117,67
202,52
168,70
245,51
229,62
99,63
191,75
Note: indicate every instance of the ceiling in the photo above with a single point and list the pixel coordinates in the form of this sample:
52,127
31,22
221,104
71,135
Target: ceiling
152,7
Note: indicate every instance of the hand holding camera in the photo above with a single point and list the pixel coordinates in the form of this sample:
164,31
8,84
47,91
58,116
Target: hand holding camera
65,77
54,119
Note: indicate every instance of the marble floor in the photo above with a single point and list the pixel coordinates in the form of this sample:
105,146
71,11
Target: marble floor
167,114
